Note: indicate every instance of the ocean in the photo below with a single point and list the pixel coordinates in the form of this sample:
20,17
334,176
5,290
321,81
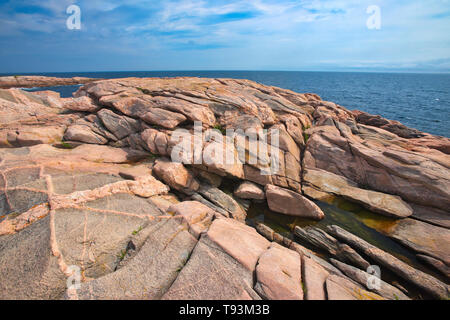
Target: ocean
420,101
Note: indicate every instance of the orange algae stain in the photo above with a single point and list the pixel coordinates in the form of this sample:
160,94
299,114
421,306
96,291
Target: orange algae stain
377,222
372,220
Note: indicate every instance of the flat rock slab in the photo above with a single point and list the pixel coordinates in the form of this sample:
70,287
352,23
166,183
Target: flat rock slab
212,274
163,118
94,236
385,204
423,238
278,274
241,242
339,288
314,279
370,282
40,81
432,215
28,270
382,162
176,176
150,273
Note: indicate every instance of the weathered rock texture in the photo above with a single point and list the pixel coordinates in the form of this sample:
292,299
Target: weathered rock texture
40,81
88,192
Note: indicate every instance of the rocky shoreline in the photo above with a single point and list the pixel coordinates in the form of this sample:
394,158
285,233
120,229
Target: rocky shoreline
40,81
89,191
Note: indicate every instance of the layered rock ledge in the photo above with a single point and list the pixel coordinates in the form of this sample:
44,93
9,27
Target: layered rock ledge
92,205
40,81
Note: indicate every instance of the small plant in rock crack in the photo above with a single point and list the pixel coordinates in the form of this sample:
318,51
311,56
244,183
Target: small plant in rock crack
66,145
152,156
135,232
220,128
122,254
144,91
303,287
306,136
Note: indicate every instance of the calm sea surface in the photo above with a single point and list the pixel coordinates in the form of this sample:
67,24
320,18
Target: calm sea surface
420,101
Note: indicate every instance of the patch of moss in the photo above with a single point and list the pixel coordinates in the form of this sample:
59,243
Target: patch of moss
144,91
220,128
152,156
135,232
306,137
66,145
303,287
122,255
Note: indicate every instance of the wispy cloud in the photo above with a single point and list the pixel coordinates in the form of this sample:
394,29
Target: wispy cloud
220,34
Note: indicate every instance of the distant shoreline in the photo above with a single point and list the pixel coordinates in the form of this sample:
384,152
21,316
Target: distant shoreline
45,73
420,101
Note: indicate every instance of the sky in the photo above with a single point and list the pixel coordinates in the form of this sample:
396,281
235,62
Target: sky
309,35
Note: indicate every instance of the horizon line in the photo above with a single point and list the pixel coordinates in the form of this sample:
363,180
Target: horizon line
229,70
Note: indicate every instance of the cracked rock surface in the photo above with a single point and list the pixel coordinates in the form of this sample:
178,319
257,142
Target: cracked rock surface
88,191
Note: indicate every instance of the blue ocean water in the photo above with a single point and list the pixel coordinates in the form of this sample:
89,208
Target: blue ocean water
420,101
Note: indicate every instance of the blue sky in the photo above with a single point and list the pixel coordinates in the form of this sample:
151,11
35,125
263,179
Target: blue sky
329,35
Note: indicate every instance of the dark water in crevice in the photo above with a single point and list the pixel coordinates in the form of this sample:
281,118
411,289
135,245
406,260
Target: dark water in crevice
351,217
64,91
367,225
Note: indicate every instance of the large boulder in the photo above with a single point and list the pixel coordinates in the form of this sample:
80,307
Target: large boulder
291,203
176,176
163,118
249,190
